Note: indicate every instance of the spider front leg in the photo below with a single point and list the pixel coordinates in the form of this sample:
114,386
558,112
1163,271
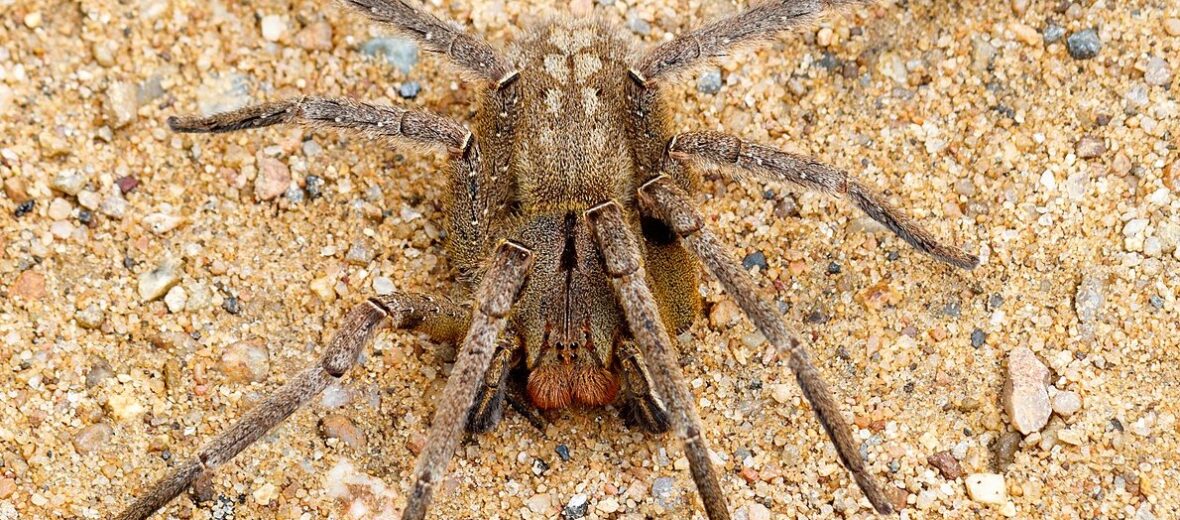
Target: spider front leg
623,262
769,164
438,318
662,199
497,293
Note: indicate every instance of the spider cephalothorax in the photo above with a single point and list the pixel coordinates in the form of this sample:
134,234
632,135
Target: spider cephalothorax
570,215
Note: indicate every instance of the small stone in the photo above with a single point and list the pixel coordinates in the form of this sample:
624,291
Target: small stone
665,493
1158,72
1089,147
978,337
7,487
360,254
946,464
126,184
782,393
756,511
409,90
245,362
709,81
324,288
160,223
29,285
383,286
273,178
69,182
1067,403
724,313
755,259
122,104
33,20
608,505
176,299
1172,26
402,53
337,426
1053,33
92,438
154,284
1026,34
24,208
637,24
563,452
577,507
1004,450
124,407
89,317
1026,394
1136,98
232,305
266,494
273,27
1133,234
1071,437
539,503
16,189
99,371
987,488
59,209
1084,45
1089,297
315,37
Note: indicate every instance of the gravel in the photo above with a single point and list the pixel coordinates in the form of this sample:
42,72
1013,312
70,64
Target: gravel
1084,45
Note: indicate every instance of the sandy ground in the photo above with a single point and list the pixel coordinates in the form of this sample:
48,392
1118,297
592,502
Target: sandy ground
1061,173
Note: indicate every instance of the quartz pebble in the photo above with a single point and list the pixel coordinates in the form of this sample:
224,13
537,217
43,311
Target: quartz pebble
987,488
1066,403
175,299
1158,72
245,362
154,284
273,27
273,178
1026,394
92,438
339,426
122,104
1089,147
576,508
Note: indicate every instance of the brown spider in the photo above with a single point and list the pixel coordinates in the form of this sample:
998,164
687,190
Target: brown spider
570,215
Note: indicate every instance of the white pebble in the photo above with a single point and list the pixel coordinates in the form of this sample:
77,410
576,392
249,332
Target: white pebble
155,283
987,488
273,27
176,299
1067,403
383,286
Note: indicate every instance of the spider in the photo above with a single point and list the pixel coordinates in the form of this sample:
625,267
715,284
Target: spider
571,219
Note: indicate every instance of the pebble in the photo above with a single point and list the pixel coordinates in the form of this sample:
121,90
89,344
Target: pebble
266,494
338,426
1004,450
1084,45
29,285
273,178
7,488
724,313
1089,297
409,90
154,284
122,104
665,492
402,53
126,184
1133,234
608,505
987,488
245,362
92,438
89,317
709,81
1026,34
755,259
1172,26
69,181
1067,403
176,299
100,370
637,24
124,407
577,507
563,452
360,254
59,209
114,206
1158,72
1026,394
756,511
1089,147
539,503
273,27
160,223
383,286
24,208
232,305
315,37
978,337
946,464
16,189
324,288
1053,33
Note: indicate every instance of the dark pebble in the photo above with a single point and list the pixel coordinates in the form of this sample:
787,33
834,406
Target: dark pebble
834,268
24,208
977,338
995,301
1115,424
127,184
315,186
1156,301
817,317
894,466
786,207
540,467
828,61
756,384
1084,45
1004,450
909,387
409,90
563,451
755,259
953,309
892,256
128,262
1053,33
575,511
85,217
232,305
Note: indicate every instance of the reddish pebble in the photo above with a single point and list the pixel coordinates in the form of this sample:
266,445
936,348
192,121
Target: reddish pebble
30,285
749,475
7,488
946,464
127,184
